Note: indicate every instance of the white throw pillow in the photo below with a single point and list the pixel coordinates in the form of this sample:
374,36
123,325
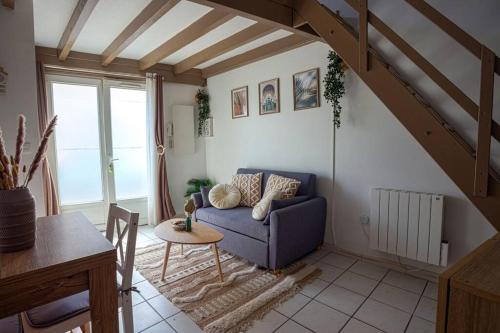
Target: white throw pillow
260,210
224,196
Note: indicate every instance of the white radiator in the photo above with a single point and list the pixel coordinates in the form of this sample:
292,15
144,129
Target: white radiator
408,224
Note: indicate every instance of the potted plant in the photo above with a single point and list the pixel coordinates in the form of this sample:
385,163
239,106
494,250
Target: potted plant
17,205
202,99
194,185
334,85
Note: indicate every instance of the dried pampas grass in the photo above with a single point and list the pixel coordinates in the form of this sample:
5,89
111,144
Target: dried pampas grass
42,150
10,166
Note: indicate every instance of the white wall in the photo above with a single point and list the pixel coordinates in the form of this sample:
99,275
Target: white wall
17,57
290,140
182,167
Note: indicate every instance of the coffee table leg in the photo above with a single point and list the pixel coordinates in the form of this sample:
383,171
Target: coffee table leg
217,262
165,259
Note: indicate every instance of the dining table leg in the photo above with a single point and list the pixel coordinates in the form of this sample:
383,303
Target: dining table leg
165,259
103,298
217,261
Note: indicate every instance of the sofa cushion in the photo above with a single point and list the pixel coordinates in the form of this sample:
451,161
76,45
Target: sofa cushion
287,186
307,180
261,209
238,219
250,188
58,311
10,325
204,190
224,196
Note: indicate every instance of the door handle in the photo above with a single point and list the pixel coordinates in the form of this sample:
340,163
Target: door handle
110,164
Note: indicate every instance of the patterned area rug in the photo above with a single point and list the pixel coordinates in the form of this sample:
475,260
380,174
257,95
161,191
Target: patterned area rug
192,284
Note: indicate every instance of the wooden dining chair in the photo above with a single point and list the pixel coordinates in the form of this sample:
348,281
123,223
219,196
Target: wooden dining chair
70,312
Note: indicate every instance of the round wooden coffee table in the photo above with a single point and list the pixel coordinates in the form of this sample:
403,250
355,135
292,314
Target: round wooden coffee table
200,234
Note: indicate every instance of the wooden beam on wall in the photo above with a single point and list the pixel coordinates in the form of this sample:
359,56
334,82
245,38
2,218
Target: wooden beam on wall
146,18
80,15
232,42
271,12
265,51
91,63
363,35
207,23
9,3
484,122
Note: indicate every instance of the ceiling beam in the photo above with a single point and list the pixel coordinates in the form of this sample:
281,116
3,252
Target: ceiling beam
146,18
208,22
9,3
265,51
87,63
247,35
80,15
277,13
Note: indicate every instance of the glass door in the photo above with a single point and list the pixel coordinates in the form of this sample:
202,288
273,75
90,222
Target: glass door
127,143
100,153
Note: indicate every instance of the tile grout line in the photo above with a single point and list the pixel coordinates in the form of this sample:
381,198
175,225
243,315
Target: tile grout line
416,306
367,297
309,301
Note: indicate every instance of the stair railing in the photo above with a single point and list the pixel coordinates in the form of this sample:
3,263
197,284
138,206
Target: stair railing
490,63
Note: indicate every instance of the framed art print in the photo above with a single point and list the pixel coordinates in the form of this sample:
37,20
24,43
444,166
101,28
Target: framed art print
306,89
269,97
239,101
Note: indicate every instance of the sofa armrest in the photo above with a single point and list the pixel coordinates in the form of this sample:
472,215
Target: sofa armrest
282,203
197,199
295,231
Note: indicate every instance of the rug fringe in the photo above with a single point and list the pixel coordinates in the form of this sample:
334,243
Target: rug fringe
247,313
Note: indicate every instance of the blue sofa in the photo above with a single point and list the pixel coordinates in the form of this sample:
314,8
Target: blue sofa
293,227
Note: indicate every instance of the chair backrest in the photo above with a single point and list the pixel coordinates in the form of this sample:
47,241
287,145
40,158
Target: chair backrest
125,223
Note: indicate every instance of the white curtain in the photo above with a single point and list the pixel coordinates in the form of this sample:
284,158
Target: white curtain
152,165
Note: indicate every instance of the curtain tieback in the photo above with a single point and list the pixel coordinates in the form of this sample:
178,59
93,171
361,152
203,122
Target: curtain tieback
160,150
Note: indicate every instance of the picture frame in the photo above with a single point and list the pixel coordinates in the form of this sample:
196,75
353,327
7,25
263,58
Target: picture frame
269,96
239,102
306,90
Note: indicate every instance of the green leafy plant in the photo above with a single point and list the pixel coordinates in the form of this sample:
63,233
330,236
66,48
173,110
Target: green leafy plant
194,185
202,99
334,85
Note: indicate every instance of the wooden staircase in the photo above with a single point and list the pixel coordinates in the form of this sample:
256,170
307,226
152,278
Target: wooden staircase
469,296
469,169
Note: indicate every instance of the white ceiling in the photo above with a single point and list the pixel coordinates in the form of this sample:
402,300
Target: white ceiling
110,17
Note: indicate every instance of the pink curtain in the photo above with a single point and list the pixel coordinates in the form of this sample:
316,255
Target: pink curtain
164,207
49,189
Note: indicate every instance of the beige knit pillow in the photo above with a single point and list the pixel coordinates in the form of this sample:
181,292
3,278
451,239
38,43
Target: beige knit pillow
249,186
287,186
259,212
224,196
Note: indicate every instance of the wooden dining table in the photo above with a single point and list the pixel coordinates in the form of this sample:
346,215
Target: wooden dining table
70,256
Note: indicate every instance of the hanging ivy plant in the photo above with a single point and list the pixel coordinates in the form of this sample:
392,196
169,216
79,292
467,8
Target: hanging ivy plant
334,85
202,100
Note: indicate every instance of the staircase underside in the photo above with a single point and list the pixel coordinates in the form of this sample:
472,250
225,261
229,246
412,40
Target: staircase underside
445,146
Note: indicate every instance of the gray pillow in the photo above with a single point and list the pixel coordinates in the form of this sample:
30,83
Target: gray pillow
204,196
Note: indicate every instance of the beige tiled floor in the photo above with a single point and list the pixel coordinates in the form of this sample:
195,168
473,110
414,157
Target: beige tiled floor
350,296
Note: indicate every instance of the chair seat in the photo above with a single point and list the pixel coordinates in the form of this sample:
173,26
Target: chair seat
58,311
10,324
